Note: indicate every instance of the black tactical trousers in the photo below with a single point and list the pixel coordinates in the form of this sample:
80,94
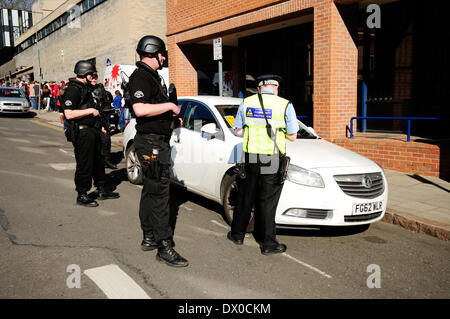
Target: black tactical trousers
154,209
90,165
106,144
262,192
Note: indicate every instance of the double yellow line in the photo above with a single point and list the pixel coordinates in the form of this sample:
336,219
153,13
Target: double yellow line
60,129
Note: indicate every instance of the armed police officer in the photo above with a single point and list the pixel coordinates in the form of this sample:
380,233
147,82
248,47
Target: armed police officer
266,121
103,101
84,129
154,118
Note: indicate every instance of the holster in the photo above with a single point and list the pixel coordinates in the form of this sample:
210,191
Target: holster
71,132
283,168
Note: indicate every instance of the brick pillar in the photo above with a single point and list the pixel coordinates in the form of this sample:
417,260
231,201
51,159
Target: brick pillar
335,72
181,71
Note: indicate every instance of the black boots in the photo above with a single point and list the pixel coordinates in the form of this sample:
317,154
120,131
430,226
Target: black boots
105,194
278,249
148,243
238,240
167,254
84,200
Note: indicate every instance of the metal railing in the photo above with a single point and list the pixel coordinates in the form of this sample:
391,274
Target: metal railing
409,119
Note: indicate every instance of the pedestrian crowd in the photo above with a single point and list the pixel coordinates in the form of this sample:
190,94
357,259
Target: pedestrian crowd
49,93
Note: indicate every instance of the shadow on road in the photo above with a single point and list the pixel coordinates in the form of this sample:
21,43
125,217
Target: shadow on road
28,115
323,231
179,196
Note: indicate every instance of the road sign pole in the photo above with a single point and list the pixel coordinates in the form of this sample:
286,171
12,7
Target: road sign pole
220,79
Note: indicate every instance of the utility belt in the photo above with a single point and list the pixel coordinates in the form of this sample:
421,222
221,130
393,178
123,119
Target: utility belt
156,137
268,164
83,127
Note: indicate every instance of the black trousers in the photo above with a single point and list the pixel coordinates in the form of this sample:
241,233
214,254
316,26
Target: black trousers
262,192
106,144
90,165
154,209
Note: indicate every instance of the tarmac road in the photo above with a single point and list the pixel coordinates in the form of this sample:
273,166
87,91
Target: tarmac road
43,232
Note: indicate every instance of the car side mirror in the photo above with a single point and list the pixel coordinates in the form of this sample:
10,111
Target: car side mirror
210,129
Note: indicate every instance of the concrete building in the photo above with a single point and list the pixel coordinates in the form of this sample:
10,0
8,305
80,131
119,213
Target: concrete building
72,30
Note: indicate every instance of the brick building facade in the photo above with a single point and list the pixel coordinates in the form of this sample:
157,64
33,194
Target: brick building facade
335,53
345,52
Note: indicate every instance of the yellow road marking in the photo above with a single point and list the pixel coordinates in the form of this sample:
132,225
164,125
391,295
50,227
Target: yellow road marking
48,125
60,129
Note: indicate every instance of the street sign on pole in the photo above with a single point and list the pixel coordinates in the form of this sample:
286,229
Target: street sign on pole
218,57
217,49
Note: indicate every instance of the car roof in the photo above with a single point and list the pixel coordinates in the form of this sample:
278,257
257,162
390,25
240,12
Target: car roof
213,99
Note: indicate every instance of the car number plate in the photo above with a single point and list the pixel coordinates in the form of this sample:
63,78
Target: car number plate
367,208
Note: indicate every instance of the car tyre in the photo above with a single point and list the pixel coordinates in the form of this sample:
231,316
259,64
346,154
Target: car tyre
229,201
133,166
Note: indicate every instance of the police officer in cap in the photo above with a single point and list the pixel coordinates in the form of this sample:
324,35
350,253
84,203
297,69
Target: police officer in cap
84,124
154,117
263,148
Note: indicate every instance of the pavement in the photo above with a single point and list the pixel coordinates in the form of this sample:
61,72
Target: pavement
415,202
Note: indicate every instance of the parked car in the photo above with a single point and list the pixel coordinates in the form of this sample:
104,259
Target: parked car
326,185
13,100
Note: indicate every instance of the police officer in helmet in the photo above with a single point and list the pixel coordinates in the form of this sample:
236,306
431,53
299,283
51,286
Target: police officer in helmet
84,125
154,117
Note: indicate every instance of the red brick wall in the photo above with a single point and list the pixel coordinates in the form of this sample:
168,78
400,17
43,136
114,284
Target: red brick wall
335,72
183,15
408,157
335,54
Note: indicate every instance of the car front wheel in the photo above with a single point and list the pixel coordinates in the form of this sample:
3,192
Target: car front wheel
134,169
230,198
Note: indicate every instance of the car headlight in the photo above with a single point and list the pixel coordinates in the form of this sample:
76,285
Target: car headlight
304,177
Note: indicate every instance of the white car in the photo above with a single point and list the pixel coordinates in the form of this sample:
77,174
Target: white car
327,185
13,100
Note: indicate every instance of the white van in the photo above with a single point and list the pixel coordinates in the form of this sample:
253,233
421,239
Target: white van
115,74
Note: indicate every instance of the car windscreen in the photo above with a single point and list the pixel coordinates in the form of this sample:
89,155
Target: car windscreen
11,93
228,113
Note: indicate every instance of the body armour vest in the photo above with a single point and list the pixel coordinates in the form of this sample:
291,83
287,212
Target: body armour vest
86,101
160,124
256,139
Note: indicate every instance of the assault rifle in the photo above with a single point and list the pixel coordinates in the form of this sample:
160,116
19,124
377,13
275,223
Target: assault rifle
172,92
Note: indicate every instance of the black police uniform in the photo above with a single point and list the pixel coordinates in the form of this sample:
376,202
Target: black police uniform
152,147
103,103
86,139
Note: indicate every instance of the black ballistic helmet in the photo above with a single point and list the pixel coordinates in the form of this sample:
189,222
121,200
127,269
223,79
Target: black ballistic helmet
150,46
83,68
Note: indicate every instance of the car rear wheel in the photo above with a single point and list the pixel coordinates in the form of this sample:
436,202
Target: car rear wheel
230,198
134,169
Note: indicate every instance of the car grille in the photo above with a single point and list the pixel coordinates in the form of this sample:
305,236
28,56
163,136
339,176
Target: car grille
12,104
317,214
360,218
369,185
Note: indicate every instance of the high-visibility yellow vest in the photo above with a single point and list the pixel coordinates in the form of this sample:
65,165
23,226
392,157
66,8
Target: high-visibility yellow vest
256,139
